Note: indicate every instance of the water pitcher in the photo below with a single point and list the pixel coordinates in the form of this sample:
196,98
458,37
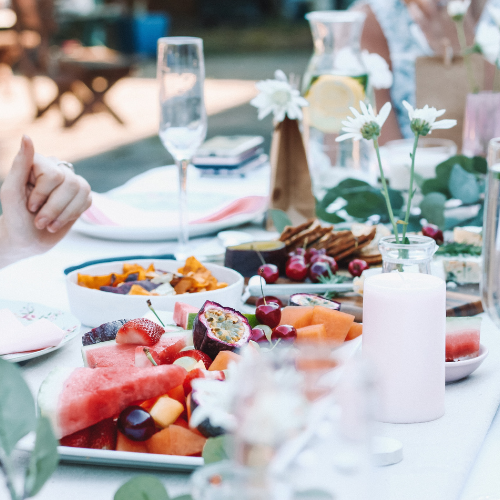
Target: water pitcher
490,283
334,81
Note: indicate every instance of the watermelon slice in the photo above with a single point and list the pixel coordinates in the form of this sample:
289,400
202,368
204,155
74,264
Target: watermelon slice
165,352
76,398
181,314
462,338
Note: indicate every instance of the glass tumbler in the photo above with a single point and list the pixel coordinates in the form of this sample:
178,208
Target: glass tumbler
490,282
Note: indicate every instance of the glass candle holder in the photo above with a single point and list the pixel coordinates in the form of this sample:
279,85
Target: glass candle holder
415,257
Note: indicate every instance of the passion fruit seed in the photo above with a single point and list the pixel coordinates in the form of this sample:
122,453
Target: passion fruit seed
225,325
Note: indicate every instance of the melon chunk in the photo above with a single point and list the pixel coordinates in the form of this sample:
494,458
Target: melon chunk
297,316
176,440
355,331
462,338
123,443
166,411
311,333
222,360
76,398
337,324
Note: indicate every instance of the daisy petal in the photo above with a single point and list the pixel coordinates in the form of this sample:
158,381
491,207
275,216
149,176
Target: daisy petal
444,124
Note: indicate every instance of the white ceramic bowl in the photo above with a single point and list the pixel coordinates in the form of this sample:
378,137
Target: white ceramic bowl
94,307
457,370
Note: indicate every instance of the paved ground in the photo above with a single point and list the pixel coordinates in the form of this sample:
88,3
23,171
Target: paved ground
108,154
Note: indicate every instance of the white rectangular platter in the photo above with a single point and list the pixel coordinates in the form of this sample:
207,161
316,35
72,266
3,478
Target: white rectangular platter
119,458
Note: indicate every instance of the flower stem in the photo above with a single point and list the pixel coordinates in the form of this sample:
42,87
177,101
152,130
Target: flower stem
386,191
410,192
468,66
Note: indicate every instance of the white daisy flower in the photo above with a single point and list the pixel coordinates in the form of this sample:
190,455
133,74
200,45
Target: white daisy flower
458,8
495,14
378,70
423,121
488,42
278,96
364,125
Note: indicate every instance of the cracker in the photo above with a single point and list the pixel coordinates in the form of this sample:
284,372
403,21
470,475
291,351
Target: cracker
291,231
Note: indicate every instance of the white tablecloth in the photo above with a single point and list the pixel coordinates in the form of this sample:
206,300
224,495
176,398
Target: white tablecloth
427,462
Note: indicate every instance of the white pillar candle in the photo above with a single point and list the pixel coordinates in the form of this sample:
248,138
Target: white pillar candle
404,331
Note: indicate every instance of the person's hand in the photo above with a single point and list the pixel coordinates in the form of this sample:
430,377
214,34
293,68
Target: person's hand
40,200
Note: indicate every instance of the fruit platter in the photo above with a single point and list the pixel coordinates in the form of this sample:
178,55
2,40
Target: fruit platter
132,401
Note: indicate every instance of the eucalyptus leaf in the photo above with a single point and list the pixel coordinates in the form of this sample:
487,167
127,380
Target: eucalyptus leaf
363,205
43,460
280,219
480,165
463,185
142,488
432,208
438,184
17,407
323,215
183,497
215,450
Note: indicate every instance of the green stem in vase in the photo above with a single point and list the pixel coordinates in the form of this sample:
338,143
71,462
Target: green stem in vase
386,191
467,61
410,192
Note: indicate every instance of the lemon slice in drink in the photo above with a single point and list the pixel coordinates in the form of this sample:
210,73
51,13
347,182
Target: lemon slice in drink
330,97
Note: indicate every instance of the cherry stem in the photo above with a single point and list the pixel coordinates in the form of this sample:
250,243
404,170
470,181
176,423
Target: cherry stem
305,243
262,290
154,312
148,355
260,255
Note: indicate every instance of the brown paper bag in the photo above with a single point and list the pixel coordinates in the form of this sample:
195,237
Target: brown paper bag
445,85
291,189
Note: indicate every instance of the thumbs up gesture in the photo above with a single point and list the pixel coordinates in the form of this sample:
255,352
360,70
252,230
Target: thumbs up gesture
41,200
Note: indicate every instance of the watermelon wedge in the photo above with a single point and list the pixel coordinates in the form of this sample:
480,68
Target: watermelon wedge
462,338
76,398
181,313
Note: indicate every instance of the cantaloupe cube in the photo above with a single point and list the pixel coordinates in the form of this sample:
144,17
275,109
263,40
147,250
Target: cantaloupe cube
312,333
222,360
123,443
337,324
355,331
166,411
176,440
177,393
297,316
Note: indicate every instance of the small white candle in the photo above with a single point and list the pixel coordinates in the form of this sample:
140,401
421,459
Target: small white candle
404,331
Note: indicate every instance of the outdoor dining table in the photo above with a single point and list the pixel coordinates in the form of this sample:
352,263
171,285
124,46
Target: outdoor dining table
426,467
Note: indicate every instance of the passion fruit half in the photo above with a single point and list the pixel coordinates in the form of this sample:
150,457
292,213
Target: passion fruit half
309,299
217,328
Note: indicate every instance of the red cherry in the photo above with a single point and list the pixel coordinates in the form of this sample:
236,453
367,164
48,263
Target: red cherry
258,335
311,252
357,266
300,251
269,314
285,333
269,298
269,272
296,269
432,231
318,269
334,267
136,423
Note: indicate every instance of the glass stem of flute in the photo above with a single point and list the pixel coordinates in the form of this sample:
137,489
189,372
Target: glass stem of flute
182,166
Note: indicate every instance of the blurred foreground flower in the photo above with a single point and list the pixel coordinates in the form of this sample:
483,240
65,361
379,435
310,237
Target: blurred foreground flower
458,8
279,97
488,42
423,121
495,14
378,70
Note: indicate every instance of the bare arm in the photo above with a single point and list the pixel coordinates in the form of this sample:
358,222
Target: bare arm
373,40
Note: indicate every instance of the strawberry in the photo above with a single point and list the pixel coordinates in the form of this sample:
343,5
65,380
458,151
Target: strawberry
79,439
197,355
103,435
139,331
199,373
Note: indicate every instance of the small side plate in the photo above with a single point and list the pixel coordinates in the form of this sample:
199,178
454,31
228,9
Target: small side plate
457,370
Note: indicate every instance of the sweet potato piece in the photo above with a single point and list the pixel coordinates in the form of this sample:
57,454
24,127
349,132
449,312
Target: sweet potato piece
355,331
138,290
176,440
95,282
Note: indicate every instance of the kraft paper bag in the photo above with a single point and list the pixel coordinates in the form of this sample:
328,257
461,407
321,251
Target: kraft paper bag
444,85
291,188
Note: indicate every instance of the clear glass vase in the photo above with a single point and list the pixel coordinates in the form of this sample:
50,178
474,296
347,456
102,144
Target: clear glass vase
335,80
490,282
482,122
413,258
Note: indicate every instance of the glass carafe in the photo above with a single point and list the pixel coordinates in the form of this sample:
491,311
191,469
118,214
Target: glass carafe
490,283
335,80
415,257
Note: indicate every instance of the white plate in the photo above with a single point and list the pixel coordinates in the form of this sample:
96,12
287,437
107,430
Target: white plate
160,233
27,312
457,370
119,458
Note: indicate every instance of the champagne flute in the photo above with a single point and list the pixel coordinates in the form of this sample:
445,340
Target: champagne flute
183,119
